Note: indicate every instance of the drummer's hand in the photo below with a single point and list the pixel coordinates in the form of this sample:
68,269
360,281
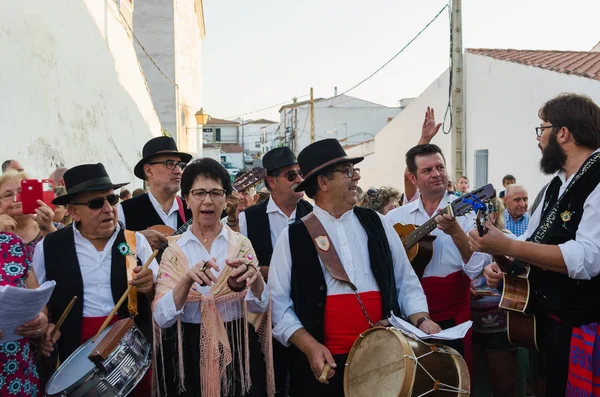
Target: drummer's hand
202,274
493,275
318,355
47,344
382,323
430,327
34,328
143,280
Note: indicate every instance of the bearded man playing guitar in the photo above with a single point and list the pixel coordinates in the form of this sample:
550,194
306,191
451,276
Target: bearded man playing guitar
446,286
562,244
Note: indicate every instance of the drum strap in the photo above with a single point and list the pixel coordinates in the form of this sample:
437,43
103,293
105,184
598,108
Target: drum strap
330,257
131,262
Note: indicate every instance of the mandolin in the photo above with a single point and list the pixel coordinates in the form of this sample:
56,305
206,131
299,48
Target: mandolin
417,241
521,326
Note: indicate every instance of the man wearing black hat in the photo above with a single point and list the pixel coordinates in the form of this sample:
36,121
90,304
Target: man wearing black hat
263,223
307,298
87,260
162,166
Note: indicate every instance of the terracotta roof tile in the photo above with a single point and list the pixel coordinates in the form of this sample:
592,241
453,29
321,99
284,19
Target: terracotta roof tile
579,63
212,120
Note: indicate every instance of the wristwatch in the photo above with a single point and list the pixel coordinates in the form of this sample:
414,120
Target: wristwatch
421,321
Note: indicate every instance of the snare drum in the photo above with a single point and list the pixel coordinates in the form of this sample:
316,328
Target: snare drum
384,362
117,375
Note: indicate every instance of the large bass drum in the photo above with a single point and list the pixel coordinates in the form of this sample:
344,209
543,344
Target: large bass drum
384,362
116,375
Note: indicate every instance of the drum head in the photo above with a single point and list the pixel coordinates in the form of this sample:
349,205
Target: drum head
77,367
379,364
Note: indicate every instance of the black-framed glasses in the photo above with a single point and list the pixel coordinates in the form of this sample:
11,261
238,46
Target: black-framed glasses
171,164
98,202
540,130
201,194
349,171
292,175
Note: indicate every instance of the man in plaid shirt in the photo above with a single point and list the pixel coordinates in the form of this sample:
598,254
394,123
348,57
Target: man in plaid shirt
516,215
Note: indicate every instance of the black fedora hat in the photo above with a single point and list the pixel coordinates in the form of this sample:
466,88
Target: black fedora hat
85,178
155,147
278,158
320,155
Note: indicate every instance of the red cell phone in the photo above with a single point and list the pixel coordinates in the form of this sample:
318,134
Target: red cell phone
33,190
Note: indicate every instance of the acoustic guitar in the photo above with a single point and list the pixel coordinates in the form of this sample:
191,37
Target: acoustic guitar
417,241
522,327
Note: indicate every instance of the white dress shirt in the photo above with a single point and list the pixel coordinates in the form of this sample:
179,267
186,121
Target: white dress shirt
95,270
350,241
169,219
165,312
446,257
277,221
580,255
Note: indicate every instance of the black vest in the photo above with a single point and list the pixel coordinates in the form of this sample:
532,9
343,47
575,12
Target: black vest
576,302
308,288
140,214
259,229
62,266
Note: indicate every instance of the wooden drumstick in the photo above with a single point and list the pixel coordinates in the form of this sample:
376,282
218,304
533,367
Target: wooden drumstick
61,320
120,302
326,369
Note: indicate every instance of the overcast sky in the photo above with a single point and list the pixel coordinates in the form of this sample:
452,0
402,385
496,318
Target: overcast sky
262,52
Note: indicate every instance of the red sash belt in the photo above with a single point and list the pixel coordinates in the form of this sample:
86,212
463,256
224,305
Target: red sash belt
91,325
449,298
345,321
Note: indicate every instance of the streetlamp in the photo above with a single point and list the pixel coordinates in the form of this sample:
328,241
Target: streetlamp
201,119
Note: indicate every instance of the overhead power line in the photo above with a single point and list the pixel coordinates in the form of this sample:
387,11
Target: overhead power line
362,81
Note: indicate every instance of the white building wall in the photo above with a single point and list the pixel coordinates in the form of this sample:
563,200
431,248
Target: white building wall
73,89
170,31
503,99
386,166
252,134
154,27
188,71
229,133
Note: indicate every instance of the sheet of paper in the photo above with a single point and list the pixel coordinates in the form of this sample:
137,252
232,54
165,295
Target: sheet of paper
21,305
457,332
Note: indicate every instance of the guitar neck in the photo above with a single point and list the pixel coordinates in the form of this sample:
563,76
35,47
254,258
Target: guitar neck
420,232
183,227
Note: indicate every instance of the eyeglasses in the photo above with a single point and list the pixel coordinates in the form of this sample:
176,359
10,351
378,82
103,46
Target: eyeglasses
171,164
292,175
540,130
201,194
98,202
349,171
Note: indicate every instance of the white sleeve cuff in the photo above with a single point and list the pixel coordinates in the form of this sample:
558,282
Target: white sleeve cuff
574,256
256,305
166,313
286,334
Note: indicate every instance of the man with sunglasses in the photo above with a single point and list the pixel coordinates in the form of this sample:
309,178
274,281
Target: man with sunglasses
88,260
263,223
315,310
161,166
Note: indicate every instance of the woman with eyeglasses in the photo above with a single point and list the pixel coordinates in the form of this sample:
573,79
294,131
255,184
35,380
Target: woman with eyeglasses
382,200
30,228
210,287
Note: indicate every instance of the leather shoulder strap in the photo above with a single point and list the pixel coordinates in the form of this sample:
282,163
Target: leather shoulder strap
131,262
325,249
